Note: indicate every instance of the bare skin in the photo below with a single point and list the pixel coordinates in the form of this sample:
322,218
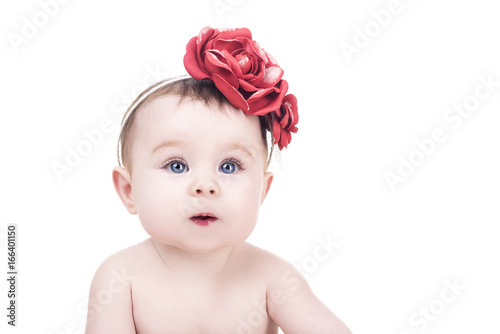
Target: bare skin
195,275
245,290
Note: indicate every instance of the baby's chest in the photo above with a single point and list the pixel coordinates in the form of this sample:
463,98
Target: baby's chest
190,308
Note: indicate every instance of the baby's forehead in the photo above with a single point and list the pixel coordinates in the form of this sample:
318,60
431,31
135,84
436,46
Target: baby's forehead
189,126
167,104
182,115
180,109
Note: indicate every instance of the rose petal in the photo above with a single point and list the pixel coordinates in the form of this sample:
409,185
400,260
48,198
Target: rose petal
270,101
264,101
284,121
257,49
292,100
233,63
245,62
216,64
203,41
283,142
272,75
204,35
258,61
231,93
284,139
247,86
256,73
229,45
234,33
288,137
290,105
260,93
276,132
191,61
270,58
278,113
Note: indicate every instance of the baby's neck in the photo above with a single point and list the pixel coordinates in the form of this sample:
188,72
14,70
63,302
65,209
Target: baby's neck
207,265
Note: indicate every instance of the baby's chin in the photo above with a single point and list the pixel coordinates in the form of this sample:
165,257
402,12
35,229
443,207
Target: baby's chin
202,239
199,247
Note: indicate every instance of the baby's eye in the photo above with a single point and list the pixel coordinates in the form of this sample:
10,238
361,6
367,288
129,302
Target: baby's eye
230,167
176,167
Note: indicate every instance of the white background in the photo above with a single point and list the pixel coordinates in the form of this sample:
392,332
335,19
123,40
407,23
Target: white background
397,248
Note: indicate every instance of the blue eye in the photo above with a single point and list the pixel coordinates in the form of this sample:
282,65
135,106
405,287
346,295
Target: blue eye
230,166
177,167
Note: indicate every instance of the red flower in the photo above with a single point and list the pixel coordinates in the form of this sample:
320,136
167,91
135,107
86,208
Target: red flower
285,122
245,73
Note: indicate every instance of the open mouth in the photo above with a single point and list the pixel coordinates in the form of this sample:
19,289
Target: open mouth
203,219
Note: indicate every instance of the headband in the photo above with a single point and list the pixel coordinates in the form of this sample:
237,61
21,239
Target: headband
138,101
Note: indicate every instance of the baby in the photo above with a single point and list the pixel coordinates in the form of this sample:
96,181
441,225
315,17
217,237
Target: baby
194,159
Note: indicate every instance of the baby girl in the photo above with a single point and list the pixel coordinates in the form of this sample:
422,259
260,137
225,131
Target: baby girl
194,157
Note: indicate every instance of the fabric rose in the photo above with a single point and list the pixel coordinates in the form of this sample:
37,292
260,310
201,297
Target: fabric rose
245,73
285,121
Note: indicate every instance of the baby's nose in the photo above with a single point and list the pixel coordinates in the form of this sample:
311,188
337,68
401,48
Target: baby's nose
206,188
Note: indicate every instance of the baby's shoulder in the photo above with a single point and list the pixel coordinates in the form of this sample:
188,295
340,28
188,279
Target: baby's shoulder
126,260
264,262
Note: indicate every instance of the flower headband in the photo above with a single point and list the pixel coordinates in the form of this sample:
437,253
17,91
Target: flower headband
247,75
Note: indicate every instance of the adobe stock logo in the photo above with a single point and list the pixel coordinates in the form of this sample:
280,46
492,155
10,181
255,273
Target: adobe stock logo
118,281
224,6
380,20
430,312
103,297
453,117
92,138
31,26
324,250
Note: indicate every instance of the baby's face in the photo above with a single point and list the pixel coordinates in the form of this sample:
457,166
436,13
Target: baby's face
198,174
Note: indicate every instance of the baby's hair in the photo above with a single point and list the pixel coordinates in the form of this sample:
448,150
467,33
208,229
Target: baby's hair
192,89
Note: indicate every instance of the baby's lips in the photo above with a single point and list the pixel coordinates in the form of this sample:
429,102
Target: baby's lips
204,219
204,215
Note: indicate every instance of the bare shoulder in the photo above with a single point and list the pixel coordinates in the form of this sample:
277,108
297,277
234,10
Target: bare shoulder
117,271
290,301
110,302
256,256
270,266
128,258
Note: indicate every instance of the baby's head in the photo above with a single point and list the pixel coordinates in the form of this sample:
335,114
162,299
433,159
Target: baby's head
185,90
194,151
194,167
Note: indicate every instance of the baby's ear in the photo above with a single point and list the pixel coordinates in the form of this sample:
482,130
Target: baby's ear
268,179
123,187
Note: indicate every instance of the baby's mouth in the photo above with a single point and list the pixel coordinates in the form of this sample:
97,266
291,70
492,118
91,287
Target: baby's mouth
203,219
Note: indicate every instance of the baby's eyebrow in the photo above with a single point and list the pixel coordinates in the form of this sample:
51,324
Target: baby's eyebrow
181,143
169,143
240,147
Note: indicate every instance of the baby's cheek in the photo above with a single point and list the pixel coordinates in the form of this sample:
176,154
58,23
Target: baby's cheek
158,225
156,210
245,201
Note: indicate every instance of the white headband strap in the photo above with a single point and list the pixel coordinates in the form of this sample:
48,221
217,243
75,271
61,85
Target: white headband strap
150,90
